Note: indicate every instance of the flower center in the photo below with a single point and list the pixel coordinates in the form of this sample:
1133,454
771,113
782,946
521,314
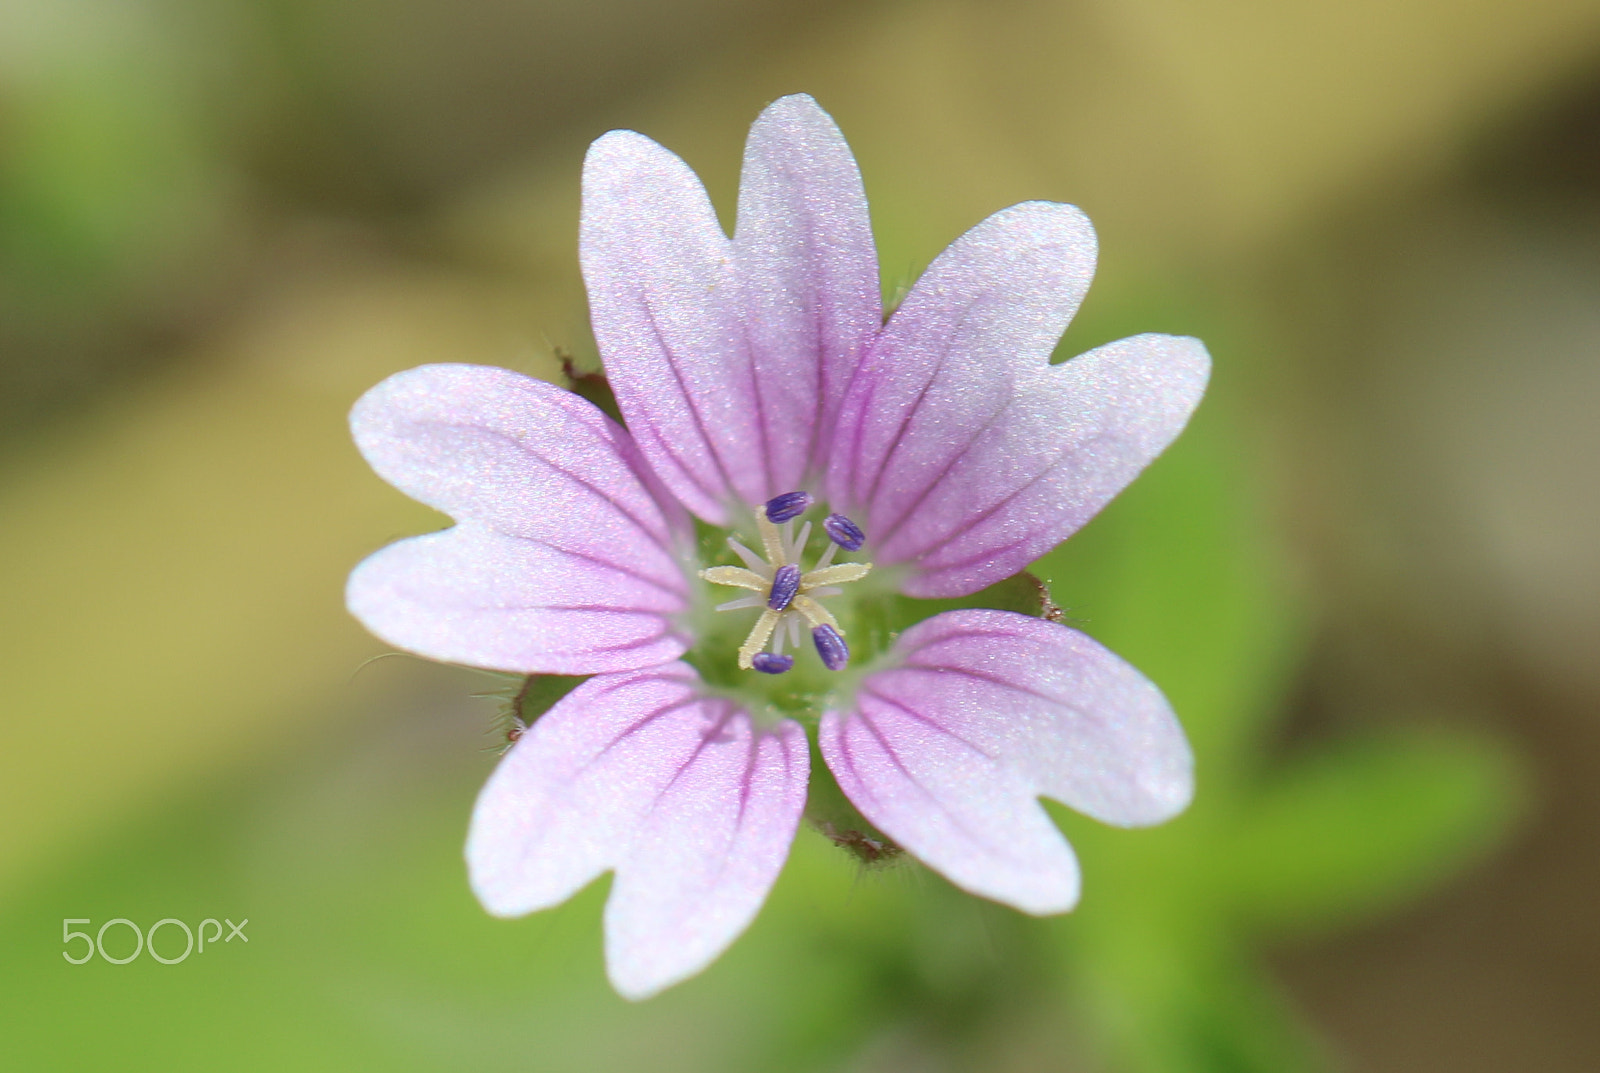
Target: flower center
788,595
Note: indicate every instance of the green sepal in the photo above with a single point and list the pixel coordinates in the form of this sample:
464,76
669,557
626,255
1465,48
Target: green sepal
540,692
1023,593
832,814
589,384
527,697
877,623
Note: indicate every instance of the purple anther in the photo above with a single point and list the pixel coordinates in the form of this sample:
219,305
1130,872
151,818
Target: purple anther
789,505
771,662
785,583
831,647
844,532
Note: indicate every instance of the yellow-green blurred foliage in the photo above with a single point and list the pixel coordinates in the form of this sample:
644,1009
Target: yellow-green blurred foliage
1365,576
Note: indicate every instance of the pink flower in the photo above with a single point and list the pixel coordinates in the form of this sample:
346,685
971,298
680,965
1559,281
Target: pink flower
758,381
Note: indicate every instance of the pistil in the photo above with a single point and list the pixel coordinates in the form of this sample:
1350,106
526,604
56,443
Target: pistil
786,594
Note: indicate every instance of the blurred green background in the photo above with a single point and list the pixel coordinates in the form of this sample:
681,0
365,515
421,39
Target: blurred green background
1368,575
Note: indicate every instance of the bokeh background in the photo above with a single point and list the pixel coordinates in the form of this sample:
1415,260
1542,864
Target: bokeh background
1368,575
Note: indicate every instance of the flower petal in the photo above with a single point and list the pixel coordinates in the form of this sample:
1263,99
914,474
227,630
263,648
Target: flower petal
664,302
564,561
986,710
958,810
808,270
690,805
965,453
475,596
1062,450
989,306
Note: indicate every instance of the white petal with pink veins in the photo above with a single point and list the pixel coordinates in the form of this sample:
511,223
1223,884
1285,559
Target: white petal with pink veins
729,358
809,273
475,596
664,303
983,712
679,794
564,560
962,451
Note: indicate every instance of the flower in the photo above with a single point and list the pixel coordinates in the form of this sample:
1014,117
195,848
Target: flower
758,380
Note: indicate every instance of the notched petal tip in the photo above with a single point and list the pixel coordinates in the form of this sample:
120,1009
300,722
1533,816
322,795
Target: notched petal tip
948,751
968,815
1082,430
678,794
529,472
936,432
706,855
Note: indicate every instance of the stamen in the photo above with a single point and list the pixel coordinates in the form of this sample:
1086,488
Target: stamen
771,539
814,612
785,583
789,505
787,593
844,532
755,562
798,544
771,662
841,574
741,603
831,647
758,638
827,556
735,577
